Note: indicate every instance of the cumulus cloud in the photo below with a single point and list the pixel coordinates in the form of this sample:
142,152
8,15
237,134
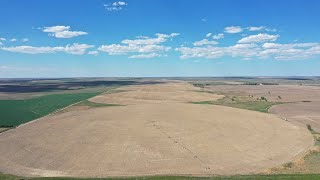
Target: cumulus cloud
13,40
211,52
208,35
259,38
233,29
293,51
260,28
77,49
62,32
204,42
144,46
115,6
145,56
218,36
2,39
93,52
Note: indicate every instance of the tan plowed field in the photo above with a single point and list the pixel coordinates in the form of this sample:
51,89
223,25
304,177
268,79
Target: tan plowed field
159,93
167,138
302,112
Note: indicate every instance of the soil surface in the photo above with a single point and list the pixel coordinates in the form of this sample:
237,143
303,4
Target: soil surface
156,133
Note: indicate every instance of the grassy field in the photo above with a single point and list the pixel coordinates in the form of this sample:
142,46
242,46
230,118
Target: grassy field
16,112
241,177
310,163
242,103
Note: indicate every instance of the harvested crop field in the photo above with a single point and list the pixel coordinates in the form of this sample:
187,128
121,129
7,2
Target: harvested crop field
159,93
159,132
276,93
302,112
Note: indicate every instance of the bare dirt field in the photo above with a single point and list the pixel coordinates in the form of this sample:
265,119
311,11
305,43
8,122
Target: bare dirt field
173,91
304,106
151,138
288,93
302,112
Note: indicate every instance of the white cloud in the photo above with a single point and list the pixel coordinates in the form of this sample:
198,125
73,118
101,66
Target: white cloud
259,38
4,68
208,35
2,39
260,28
62,32
147,41
143,46
204,42
93,52
294,51
211,52
115,6
287,46
145,56
25,40
13,40
77,49
218,36
233,29
255,28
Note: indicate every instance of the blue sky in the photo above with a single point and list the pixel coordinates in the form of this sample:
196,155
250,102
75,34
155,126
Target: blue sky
90,38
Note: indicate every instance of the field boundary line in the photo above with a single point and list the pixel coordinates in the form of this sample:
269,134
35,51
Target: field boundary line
52,113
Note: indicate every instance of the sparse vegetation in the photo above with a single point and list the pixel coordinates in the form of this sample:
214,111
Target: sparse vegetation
262,98
242,103
310,128
309,163
288,165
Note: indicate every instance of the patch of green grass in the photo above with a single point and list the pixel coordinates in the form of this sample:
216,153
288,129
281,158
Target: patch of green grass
237,177
16,112
95,105
242,103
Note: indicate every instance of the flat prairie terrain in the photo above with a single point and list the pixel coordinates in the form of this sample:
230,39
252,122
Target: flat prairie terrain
157,133
301,103
173,91
287,93
302,113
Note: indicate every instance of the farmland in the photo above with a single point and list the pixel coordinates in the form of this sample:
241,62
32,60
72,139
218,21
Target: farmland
164,127
242,103
16,112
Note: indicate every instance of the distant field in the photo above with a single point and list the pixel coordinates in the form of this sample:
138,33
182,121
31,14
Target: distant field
241,177
16,112
242,103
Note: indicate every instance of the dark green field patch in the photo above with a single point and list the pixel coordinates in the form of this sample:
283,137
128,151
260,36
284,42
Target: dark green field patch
16,112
